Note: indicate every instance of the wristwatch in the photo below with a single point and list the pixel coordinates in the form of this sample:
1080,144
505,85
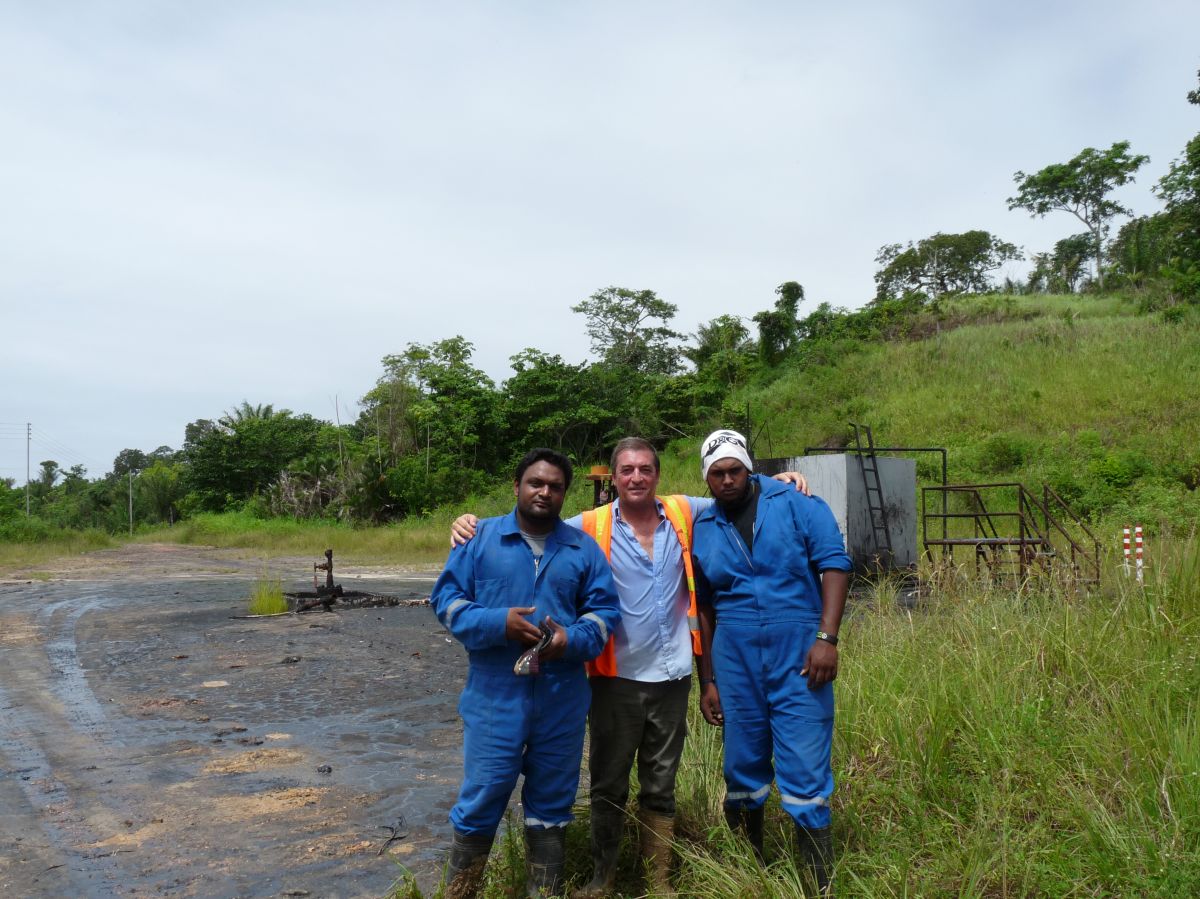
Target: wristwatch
830,639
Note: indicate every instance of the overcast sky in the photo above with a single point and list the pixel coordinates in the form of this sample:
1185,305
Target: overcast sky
204,203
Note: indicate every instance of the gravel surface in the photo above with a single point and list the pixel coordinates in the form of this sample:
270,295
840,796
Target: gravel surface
152,744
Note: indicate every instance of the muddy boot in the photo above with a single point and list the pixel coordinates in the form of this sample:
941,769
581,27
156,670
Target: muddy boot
468,857
607,826
748,822
544,850
816,850
658,834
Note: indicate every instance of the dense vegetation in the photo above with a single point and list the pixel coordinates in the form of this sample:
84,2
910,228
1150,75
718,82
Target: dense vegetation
1086,390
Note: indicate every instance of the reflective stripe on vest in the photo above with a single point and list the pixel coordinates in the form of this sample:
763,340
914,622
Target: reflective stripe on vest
598,523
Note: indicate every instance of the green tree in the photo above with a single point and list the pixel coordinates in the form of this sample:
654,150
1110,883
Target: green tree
1142,247
1081,187
459,408
431,427
49,474
1179,190
777,327
941,264
12,500
549,402
828,322
1060,270
724,352
162,453
230,464
388,409
162,486
246,412
195,431
431,399
622,326
128,460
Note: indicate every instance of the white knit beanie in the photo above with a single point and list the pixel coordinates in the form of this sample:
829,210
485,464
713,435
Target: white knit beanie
723,444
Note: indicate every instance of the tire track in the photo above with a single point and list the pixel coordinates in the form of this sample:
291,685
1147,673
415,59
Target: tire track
48,738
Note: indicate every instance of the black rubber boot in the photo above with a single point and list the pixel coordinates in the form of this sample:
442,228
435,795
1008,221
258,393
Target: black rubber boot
468,858
544,850
749,823
816,850
607,826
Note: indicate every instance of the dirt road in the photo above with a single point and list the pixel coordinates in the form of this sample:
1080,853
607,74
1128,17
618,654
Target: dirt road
151,744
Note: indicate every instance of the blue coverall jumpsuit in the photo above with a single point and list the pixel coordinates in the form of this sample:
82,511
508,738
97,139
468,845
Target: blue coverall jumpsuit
518,724
768,609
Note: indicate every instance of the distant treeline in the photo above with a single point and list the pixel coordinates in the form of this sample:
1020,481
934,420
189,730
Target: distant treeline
435,428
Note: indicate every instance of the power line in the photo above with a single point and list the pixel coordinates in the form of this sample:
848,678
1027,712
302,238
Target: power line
54,442
56,447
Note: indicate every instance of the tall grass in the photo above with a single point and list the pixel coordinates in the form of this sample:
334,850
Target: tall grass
1000,743
29,542
992,742
415,541
266,596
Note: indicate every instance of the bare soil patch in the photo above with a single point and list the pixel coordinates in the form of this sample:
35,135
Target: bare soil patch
151,743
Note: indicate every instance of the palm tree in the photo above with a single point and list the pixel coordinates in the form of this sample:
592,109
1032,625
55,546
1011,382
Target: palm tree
246,412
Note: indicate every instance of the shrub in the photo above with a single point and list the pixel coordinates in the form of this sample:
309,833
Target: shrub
1003,452
1119,469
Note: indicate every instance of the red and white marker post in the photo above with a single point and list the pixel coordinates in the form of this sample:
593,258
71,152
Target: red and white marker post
1137,542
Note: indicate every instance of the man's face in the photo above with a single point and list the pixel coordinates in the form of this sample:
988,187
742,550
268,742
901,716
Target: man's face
540,492
728,479
636,478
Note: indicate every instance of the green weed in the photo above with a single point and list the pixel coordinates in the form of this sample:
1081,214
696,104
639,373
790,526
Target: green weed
266,597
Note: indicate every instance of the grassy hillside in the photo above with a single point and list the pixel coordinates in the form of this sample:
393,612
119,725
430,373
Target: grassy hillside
1085,394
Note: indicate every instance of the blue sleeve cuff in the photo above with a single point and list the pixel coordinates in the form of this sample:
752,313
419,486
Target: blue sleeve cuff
494,626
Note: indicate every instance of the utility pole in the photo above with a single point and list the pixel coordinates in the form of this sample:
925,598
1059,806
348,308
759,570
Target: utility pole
338,418
378,440
28,438
131,501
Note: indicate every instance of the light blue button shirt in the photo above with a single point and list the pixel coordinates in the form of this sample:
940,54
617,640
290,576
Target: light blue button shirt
653,641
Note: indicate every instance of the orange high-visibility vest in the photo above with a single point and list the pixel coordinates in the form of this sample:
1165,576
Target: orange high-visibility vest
598,524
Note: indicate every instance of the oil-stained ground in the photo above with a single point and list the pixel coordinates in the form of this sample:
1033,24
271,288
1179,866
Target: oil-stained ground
151,744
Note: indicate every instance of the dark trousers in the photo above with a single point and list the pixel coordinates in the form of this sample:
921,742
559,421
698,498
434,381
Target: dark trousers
631,719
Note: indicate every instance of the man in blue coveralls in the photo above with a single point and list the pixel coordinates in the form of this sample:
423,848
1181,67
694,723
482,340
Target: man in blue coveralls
640,683
771,580
524,567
